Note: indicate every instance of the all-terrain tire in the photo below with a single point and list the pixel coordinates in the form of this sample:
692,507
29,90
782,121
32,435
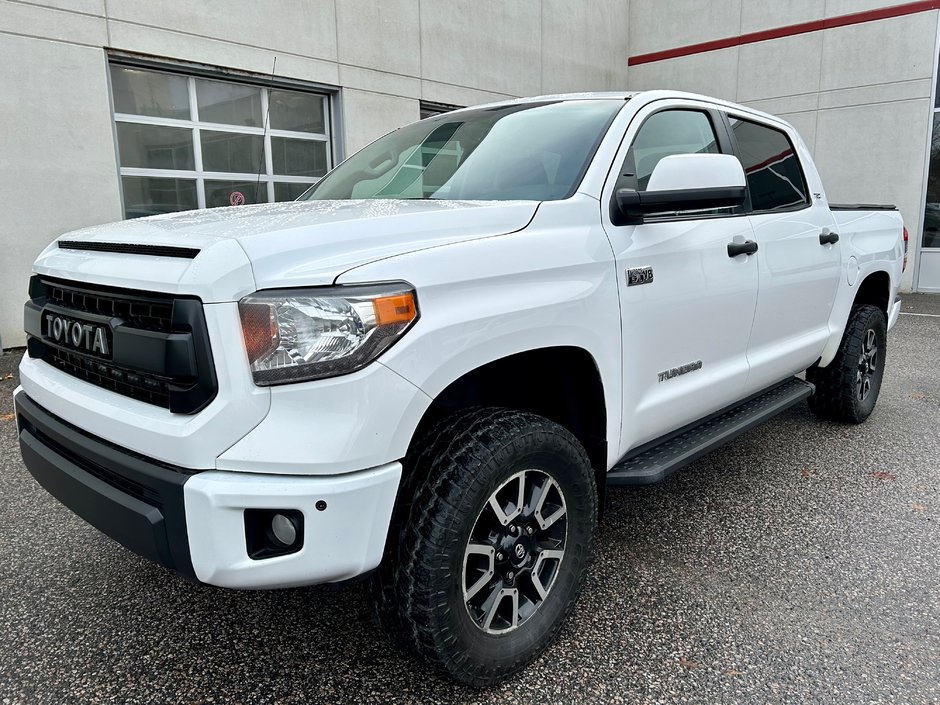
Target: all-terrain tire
469,459
848,387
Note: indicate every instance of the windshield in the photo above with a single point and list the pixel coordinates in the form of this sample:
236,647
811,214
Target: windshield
532,151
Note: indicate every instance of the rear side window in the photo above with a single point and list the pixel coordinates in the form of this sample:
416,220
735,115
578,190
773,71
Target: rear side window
774,176
666,133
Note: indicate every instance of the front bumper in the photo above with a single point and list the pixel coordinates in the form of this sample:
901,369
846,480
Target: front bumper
192,522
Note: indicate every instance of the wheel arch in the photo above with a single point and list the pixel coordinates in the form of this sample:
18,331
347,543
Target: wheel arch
875,288
562,383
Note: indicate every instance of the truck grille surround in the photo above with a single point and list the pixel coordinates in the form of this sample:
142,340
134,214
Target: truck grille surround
151,347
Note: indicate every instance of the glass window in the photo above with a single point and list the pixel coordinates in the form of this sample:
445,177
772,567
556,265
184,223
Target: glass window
532,151
774,176
140,92
154,146
152,196
285,191
298,157
932,207
228,103
186,142
234,193
231,152
666,133
297,112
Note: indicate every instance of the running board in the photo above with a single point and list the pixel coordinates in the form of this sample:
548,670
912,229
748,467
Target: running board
654,461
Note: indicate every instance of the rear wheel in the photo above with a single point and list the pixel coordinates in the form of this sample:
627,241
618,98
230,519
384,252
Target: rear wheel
847,389
492,556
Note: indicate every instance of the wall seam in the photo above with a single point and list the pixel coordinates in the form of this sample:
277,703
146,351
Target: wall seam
737,70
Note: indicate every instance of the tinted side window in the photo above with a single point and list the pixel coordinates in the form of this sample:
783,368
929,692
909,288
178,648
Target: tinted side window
774,176
666,133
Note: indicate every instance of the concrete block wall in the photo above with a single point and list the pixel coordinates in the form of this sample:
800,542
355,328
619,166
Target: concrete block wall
860,95
58,167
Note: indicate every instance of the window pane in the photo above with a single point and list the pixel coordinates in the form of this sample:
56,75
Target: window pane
228,103
298,157
235,193
667,133
289,192
149,93
155,147
535,151
144,195
302,112
231,152
774,176
932,211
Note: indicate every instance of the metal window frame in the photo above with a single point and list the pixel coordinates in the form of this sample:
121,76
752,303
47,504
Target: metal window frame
192,72
922,213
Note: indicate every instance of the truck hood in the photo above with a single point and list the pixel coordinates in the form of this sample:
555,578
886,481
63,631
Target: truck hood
301,243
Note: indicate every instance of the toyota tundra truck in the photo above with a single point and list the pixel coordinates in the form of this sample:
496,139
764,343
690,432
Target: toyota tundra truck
428,369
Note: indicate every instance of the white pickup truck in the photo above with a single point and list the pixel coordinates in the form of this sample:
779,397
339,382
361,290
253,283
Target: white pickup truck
429,367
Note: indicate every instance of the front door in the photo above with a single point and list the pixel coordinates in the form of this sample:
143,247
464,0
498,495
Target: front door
686,305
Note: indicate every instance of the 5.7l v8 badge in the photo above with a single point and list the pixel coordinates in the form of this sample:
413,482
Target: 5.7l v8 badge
639,275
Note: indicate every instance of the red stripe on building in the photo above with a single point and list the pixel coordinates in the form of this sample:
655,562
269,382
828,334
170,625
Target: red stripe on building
883,13
772,160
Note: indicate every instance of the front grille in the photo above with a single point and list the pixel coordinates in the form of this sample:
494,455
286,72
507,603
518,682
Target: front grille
159,343
140,312
140,386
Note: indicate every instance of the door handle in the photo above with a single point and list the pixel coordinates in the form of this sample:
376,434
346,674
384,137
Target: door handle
828,238
748,247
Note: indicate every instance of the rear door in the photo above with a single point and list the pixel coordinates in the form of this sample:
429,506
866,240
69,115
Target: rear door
686,305
798,257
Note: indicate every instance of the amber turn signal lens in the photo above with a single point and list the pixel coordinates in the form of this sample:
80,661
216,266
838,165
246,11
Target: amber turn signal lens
399,308
259,326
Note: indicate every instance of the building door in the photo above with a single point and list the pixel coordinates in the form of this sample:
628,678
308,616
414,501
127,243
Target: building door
928,278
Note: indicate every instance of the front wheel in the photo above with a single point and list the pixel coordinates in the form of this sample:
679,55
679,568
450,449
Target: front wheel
847,389
494,552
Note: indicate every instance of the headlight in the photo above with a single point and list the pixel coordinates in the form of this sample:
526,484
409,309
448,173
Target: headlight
293,335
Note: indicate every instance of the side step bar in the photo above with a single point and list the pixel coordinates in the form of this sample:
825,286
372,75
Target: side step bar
654,461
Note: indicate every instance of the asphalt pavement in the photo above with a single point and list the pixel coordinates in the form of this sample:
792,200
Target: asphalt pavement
798,565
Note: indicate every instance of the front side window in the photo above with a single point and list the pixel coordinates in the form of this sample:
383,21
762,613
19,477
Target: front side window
186,142
662,135
774,177
528,151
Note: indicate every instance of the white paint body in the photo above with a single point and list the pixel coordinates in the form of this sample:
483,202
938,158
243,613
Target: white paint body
492,279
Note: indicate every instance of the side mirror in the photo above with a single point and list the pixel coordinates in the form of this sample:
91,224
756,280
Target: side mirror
683,183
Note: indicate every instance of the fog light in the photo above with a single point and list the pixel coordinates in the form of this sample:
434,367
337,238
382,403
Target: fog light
283,529
273,532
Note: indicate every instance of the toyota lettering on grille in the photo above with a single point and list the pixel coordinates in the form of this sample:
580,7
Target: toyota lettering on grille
77,334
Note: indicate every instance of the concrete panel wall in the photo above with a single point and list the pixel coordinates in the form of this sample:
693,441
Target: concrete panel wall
859,94
57,165
58,169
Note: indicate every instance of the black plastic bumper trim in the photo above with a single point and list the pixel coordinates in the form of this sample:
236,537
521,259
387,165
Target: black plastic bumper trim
135,500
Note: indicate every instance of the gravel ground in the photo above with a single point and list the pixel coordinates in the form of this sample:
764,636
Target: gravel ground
799,564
